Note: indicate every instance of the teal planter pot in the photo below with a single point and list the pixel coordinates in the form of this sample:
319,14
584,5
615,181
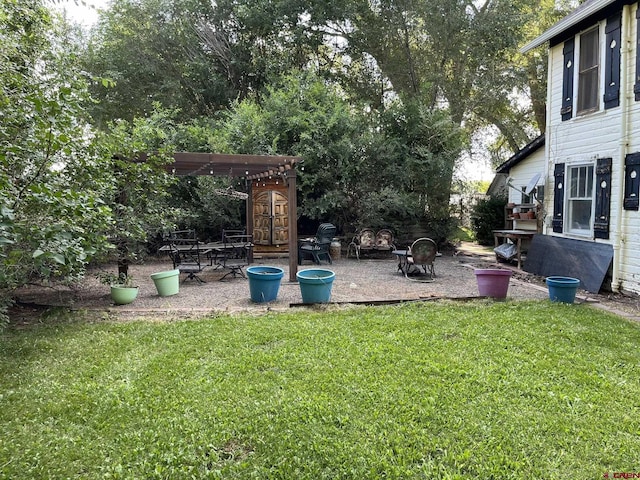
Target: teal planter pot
315,284
167,283
562,289
264,283
123,295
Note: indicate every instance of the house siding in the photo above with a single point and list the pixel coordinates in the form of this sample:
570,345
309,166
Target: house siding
597,135
522,173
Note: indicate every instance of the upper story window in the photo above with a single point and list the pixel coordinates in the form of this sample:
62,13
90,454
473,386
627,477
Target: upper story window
592,67
589,72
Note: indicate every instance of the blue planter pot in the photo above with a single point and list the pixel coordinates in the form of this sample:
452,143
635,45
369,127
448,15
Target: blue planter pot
264,283
315,284
562,289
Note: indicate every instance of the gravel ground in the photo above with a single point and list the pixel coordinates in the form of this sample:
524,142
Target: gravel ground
356,281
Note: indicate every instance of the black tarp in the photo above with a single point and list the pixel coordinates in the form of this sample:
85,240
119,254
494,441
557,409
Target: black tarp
588,261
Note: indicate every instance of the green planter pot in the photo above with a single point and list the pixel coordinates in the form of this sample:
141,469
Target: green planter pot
123,295
167,283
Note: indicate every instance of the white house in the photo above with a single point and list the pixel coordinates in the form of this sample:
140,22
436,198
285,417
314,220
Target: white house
592,147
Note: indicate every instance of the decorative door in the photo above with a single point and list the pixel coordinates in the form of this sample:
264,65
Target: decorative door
270,218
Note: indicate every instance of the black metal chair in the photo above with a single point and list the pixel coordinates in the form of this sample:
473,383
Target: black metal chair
180,237
422,253
187,257
232,233
316,249
236,254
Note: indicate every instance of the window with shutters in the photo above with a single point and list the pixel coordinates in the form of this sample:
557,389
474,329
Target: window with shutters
594,81
588,72
579,199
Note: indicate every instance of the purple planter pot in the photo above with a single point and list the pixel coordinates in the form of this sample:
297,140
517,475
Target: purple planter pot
492,282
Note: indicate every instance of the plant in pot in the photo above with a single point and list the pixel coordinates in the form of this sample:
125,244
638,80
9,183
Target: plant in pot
123,290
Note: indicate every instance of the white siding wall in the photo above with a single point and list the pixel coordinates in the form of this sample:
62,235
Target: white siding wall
523,172
598,135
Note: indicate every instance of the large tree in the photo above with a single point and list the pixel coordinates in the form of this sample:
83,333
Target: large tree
152,51
458,53
384,170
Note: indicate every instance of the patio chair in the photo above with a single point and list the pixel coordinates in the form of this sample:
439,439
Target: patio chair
232,233
422,253
187,257
236,254
363,241
384,240
180,237
317,248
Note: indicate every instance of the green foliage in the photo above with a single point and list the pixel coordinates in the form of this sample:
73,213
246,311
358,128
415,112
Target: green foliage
427,144
484,390
376,172
301,115
52,182
140,187
151,51
65,194
488,215
203,209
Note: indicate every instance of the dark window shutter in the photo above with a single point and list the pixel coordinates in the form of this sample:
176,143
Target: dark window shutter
558,197
612,62
631,181
636,87
603,198
567,81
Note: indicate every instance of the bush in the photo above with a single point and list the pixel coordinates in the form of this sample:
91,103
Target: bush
486,216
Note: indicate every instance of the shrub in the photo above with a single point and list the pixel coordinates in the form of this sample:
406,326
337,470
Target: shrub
486,216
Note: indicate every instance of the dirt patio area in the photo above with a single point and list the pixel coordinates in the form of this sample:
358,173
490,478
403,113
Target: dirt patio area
368,280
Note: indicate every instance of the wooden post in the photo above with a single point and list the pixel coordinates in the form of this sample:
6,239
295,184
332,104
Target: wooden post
293,224
249,213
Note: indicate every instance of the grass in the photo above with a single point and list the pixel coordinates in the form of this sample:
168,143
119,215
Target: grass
480,390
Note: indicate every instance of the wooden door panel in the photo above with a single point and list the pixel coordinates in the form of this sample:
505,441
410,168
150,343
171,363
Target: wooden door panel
270,218
262,219
280,219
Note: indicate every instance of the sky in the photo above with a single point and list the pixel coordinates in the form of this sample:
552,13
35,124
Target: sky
83,12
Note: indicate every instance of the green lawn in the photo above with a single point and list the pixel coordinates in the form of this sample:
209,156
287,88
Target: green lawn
486,390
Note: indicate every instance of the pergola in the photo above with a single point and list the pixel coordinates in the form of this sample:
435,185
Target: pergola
251,168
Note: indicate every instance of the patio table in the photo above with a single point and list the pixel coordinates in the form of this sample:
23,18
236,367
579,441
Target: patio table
514,235
211,250
403,262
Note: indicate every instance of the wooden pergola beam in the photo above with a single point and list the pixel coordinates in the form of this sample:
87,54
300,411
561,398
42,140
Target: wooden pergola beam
224,165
